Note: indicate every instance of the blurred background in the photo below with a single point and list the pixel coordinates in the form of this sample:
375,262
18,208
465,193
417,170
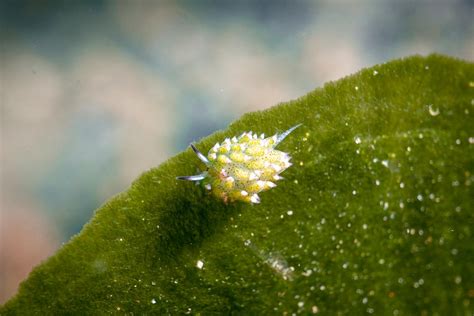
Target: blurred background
93,93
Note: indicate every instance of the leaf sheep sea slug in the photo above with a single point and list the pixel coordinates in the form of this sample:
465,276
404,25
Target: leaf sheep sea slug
242,167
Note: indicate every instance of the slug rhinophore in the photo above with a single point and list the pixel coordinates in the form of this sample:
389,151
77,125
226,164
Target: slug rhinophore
241,167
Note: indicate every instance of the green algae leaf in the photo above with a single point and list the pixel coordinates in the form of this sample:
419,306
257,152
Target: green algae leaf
375,215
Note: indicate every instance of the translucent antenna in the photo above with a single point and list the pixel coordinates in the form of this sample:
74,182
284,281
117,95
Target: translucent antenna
283,135
197,177
200,155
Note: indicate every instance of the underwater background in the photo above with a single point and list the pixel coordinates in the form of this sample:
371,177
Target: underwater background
95,92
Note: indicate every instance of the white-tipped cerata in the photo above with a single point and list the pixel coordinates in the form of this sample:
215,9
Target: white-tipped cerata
242,166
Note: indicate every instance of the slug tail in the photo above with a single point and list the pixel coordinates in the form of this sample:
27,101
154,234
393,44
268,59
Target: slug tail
283,135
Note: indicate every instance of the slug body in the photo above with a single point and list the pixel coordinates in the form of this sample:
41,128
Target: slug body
240,168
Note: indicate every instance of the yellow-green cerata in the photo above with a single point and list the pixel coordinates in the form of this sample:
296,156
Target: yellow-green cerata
241,167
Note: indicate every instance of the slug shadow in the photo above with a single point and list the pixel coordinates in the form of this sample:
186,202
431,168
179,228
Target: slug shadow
189,219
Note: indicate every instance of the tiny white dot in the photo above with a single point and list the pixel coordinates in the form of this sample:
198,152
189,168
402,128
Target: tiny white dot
199,264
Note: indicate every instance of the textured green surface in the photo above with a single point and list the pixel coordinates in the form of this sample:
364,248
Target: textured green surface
375,216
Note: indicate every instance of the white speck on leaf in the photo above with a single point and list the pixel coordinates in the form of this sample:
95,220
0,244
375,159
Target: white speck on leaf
199,264
433,110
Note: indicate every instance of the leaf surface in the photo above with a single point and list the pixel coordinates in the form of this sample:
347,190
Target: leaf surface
375,215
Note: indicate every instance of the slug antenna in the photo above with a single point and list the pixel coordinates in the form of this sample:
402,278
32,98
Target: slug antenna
197,177
200,155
